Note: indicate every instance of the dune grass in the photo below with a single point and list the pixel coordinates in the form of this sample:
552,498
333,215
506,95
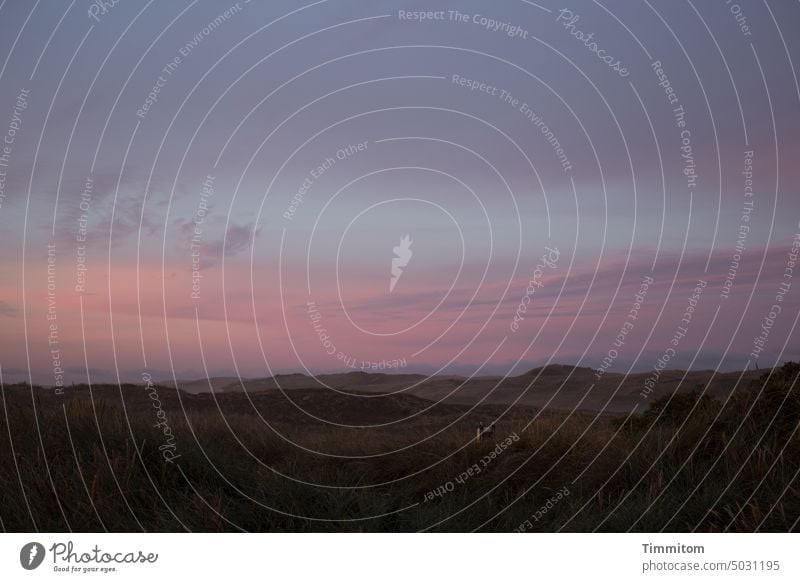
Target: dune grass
688,463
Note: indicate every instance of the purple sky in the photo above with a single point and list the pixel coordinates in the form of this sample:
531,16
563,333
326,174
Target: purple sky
310,138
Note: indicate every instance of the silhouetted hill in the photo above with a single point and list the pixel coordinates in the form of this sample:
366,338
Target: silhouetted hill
557,386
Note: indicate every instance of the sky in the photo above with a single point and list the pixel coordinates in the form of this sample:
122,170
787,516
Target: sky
199,189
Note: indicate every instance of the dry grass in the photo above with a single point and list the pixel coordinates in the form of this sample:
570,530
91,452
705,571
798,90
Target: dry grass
687,464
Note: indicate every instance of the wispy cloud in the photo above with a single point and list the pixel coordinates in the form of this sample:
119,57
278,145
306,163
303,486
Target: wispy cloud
8,310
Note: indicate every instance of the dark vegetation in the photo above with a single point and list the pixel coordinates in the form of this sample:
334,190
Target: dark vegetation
89,460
